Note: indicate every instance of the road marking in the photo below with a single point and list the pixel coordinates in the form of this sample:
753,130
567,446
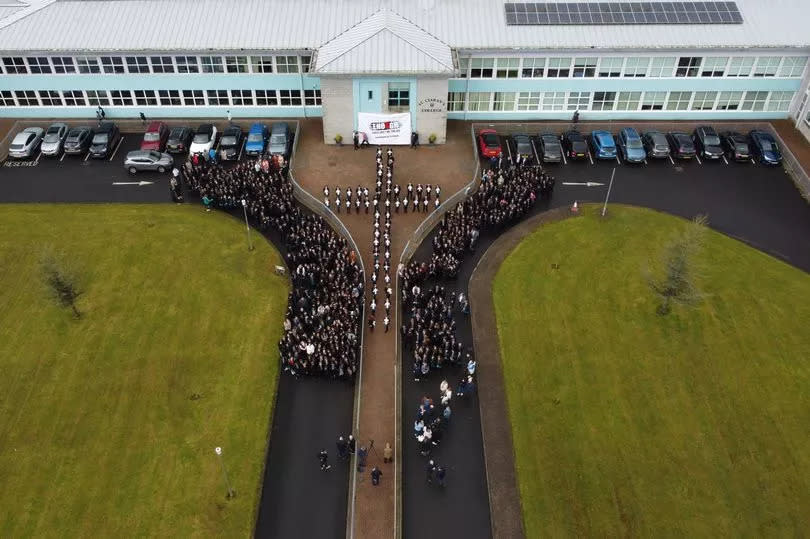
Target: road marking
63,156
753,162
565,161
618,160
87,156
645,161
697,158
589,157
38,156
240,150
671,160
140,183
536,155
116,148
586,184
724,159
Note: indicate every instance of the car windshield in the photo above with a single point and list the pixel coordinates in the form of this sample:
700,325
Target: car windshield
712,140
634,143
255,137
201,138
278,139
51,137
230,140
549,140
605,140
490,139
73,138
101,138
151,137
768,146
176,133
16,146
155,155
524,148
741,147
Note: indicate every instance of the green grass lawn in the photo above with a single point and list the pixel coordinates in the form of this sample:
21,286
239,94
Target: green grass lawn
629,424
101,434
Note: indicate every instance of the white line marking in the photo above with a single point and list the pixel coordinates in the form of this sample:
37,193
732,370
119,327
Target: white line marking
63,156
645,161
618,160
116,148
536,156
87,155
590,158
671,160
724,159
753,162
240,150
565,161
38,156
697,157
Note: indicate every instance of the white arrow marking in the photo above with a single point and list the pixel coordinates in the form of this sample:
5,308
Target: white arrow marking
141,183
586,184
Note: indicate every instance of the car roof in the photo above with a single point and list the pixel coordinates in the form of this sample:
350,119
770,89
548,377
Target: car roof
573,134
232,130
141,153
154,126
603,135
179,128
521,135
106,126
205,128
630,132
706,128
257,127
32,130
79,129
280,127
549,135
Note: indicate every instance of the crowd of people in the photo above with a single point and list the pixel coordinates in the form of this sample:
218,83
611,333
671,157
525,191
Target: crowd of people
382,240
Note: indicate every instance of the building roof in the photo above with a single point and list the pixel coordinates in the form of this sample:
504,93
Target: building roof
384,42
245,25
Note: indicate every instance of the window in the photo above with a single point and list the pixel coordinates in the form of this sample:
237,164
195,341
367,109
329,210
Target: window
455,101
399,94
584,67
145,97
579,100
507,68
312,98
286,64
529,100
97,97
610,67
463,67
74,98
193,98
112,64
50,98
678,100
729,100
212,64
477,101
137,64
558,67
604,100
26,98
481,68
628,101
242,97
504,101
169,98
261,64
553,101
7,99
63,64
714,66
704,100
688,66
289,98
779,101
14,65
266,98
236,64
740,66
187,64
792,66
217,97
661,66
38,65
162,64
121,98
636,66
754,101
533,68
88,64
305,61
653,100
767,66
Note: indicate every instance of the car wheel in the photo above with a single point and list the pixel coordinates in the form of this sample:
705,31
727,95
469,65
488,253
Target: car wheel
133,170
161,169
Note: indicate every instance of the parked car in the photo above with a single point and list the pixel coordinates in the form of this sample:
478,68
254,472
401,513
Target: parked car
735,145
522,145
681,145
549,147
604,147
231,143
630,146
656,144
25,143
54,139
574,145
141,160
204,139
707,142
489,145
764,147
257,139
280,140
155,138
105,140
179,139
78,140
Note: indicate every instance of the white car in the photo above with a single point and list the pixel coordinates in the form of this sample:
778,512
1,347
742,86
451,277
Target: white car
54,139
26,143
204,139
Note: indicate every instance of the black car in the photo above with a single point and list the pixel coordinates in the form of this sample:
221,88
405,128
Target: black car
231,143
764,147
522,145
656,144
179,139
549,147
735,145
78,140
574,145
105,140
707,142
681,145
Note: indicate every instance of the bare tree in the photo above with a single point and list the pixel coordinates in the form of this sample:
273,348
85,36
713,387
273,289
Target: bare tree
60,280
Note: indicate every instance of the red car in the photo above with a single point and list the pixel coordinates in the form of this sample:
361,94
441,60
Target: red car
489,145
155,137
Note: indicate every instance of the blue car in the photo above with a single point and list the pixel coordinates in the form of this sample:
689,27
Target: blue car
257,139
604,147
631,146
764,148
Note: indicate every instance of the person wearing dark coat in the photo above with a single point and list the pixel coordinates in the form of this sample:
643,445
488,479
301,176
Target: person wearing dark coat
323,458
375,476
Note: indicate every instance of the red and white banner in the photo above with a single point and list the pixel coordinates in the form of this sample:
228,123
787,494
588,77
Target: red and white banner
385,129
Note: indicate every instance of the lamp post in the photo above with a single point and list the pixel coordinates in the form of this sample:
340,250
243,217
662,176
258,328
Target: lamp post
247,225
231,493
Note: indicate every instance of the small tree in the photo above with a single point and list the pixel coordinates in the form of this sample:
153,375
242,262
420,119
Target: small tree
677,284
61,282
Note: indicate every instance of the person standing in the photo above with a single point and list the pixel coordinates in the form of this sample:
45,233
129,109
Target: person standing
356,140
388,453
440,475
143,119
230,118
429,470
362,453
375,476
342,448
323,458
351,444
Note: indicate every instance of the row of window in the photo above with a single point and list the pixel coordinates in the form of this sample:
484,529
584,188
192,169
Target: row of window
39,65
151,98
637,66
621,101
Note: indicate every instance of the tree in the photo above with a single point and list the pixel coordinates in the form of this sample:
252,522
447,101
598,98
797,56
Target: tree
677,284
62,283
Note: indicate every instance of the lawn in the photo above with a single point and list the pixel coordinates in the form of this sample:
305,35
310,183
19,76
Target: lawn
108,423
626,423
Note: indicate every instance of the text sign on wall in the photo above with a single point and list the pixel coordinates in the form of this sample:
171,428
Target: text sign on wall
385,128
432,104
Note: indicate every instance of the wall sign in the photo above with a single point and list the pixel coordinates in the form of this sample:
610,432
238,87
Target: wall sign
432,104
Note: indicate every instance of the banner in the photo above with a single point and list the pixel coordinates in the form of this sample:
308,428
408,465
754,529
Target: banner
384,129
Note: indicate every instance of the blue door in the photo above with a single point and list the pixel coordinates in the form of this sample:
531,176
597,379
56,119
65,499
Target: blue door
370,97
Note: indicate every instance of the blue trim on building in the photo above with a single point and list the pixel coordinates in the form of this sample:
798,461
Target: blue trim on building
696,84
114,113
618,116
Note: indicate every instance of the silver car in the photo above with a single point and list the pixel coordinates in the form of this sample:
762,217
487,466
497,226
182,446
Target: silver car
25,143
54,139
147,160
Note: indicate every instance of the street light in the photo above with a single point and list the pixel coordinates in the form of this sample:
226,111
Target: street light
231,493
247,226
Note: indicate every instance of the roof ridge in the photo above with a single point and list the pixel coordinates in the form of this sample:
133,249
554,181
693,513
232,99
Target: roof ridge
349,49
414,45
29,7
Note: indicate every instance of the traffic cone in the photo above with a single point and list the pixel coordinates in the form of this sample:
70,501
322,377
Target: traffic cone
575,207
